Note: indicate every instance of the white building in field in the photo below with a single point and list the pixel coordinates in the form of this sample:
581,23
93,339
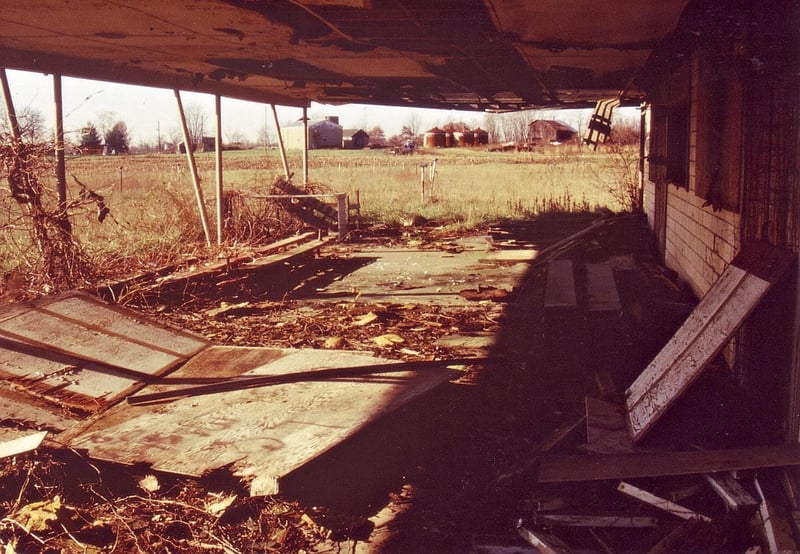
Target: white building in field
326,133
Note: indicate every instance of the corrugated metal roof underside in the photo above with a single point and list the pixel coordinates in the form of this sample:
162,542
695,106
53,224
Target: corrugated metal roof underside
478,54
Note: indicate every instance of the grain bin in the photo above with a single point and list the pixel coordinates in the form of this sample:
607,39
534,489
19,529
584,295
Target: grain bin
463,138
434,138
480,137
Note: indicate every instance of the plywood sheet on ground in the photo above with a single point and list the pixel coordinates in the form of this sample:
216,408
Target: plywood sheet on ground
78,350
263,433
710,326
428,275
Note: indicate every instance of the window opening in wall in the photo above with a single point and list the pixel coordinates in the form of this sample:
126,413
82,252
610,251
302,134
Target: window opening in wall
678,146
669,146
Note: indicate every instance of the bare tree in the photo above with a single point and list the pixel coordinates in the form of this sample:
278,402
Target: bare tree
491,124
414,123
196,123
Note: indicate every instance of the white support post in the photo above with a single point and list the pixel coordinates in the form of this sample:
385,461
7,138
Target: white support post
281,146
198,192
218,157
11,113
61,164
342,206
305,145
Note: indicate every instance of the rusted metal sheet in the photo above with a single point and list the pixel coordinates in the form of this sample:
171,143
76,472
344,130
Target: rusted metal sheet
710,326
84,353
264,434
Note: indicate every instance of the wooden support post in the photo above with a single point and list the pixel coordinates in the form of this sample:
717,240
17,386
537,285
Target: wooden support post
218,159
422,181
198,192
342,214
61,167
281,146
11,113
305,145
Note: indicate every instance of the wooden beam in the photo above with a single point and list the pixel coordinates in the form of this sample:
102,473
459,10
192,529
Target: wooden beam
545,545
661,503
575,520
576,467
735,497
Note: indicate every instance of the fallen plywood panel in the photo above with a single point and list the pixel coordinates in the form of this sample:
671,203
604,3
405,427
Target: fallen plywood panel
82,352
265,433
77,350
710,326
576,467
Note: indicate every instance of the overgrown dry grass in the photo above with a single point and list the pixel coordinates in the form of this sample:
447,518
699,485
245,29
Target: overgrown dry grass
154,217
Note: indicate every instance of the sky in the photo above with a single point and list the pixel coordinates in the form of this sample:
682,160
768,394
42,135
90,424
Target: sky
149,111
146,110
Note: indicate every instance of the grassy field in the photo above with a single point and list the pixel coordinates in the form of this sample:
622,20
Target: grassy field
154,214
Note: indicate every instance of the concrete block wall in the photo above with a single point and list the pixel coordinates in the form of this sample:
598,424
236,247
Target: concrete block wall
700,243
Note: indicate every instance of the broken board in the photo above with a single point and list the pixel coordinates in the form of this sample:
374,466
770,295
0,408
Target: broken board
84,353
559,290
710,326
263,434
596,467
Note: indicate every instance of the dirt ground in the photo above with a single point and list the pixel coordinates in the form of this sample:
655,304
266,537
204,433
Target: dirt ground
449,472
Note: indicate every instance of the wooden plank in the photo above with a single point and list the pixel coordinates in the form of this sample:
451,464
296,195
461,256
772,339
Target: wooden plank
776,529
296,252
262,434
735,497
22,444
661,503
539,449
605,427
572,467
545,544
559,290
574,520
601,289
710,326
693,535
